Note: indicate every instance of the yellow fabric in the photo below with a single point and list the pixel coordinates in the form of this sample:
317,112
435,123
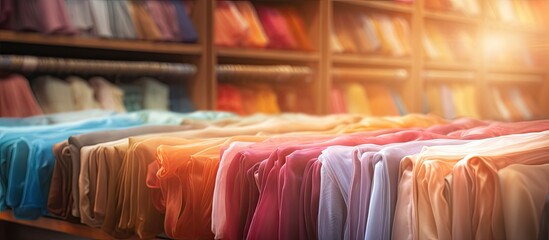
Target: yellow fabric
402,29
356,99
380,100
434,99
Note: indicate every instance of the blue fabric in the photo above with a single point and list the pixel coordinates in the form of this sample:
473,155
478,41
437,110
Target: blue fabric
188,32
27,160
55,118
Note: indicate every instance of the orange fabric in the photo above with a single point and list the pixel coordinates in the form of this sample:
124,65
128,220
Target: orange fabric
255,36
380,100
296,25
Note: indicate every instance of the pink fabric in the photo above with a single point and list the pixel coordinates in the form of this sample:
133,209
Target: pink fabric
277,29
16,98
164,15
45,16
265,223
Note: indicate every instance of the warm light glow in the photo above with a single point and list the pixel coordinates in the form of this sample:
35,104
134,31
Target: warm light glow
493,44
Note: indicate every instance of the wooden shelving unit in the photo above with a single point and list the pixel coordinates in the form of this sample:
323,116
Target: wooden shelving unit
382,5
450,66
100,43
357,59
451,17
269,54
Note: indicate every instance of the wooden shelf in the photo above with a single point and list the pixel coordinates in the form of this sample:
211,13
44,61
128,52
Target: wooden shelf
516,27
514,78
372,74
389,6
269,54
449,66
449,76
346,58
57,226
99,43
451,17
517,70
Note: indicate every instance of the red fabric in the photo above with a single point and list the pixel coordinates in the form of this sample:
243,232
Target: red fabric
16,98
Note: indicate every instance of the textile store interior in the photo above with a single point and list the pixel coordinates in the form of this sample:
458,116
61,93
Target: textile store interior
274,119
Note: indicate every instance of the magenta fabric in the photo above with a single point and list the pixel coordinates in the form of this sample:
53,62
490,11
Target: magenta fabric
6,11
265,222
277,29
44,16
164,15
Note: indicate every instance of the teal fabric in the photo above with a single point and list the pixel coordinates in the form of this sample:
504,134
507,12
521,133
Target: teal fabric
26,161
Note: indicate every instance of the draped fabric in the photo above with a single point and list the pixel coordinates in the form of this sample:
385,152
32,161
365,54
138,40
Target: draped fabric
285,176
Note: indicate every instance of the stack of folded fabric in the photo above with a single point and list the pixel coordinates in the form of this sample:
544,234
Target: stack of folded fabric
450,44
518,11
54,95
367,99
452,100
514,104
16,98
123,19
246,99
356,32
240,24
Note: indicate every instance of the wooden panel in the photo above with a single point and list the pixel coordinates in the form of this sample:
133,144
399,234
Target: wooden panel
365,59
271,54
57,225
451,17
97,43
381,5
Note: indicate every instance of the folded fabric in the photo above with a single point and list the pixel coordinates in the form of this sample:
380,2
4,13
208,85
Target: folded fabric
121,23
187,32
255,36
109,96
82,94
53,94
16,98
230,26
277,28
80,15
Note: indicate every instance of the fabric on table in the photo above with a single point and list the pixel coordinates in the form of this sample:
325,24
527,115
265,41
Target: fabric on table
34,157
68,164
523,190
485,217
431,167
